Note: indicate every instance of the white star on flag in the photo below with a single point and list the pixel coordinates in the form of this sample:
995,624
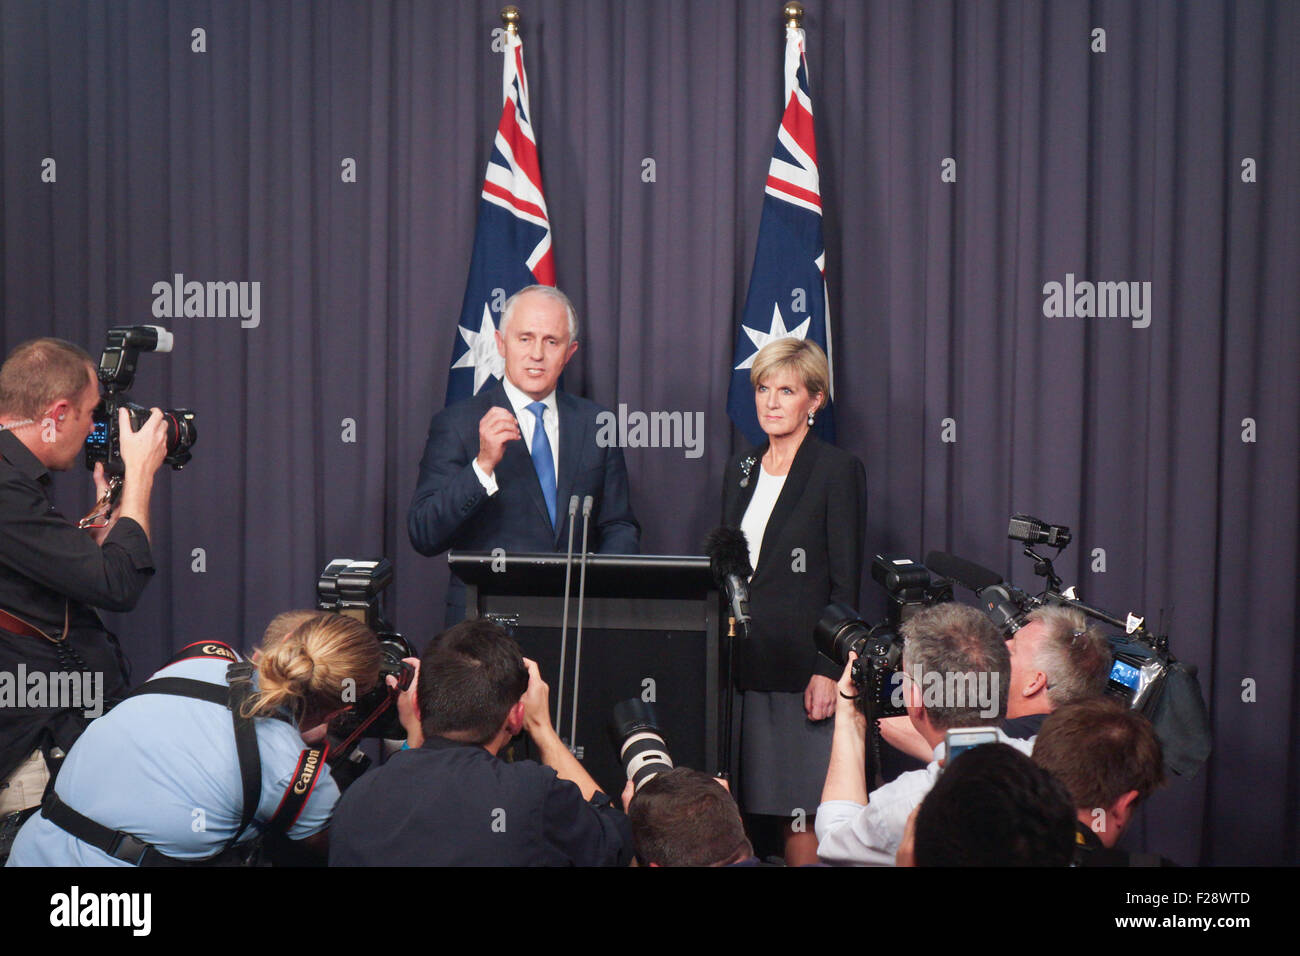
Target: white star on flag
482,355
777,331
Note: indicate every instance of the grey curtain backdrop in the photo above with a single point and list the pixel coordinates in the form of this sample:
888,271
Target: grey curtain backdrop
1169,158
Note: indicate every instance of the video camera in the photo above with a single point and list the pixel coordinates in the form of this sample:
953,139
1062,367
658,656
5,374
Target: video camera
1144,675
117,373
1133,680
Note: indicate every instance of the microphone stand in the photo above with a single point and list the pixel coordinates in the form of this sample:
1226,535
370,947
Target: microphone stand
587,504
728,704
564,623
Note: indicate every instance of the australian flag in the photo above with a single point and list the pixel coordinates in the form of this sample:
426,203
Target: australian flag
512,242
787,290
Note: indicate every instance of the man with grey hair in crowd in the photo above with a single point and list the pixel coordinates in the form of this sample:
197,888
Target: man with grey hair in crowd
956,674
1056,659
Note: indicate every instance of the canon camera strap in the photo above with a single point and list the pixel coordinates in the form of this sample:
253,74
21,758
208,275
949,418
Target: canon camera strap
239,675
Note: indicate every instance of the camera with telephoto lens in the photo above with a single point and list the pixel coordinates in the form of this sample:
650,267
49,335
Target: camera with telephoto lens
880,647
353,588
116,373
641,745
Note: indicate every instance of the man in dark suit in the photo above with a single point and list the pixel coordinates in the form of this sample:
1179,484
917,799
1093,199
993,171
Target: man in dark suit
499,468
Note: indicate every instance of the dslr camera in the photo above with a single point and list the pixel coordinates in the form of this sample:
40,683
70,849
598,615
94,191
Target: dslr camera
354,588
117,373
880,647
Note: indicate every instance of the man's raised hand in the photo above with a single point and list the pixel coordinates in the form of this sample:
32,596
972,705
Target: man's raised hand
495,428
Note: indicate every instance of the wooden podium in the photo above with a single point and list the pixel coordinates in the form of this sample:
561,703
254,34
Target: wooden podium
650,629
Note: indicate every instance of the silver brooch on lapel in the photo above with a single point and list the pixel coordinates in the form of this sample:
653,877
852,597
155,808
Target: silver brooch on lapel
746,466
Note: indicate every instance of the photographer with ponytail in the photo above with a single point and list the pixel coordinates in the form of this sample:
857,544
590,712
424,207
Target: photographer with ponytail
161,780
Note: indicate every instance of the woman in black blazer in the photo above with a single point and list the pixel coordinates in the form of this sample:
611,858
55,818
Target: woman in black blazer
802,506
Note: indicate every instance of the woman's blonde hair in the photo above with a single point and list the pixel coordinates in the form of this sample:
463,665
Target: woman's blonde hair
803,357
314,662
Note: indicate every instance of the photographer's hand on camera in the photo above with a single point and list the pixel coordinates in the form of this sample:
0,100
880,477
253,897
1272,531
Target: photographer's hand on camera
408,709
537,706
143,452
553,752
846,691
847,773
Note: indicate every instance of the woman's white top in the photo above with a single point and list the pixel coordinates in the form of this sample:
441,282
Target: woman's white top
760,508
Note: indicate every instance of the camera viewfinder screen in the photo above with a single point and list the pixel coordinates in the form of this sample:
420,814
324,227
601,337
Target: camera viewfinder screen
99,437
1125,673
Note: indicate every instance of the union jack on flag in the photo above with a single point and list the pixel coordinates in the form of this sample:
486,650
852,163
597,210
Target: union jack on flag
787,289
512,241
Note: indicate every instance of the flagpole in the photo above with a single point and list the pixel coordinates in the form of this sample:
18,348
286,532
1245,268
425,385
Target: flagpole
510,17
793,12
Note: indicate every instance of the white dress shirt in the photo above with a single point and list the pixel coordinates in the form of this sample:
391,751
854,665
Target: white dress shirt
527,423
850,834
759,511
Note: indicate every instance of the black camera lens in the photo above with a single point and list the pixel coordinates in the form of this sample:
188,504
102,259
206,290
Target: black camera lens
880,656
840,631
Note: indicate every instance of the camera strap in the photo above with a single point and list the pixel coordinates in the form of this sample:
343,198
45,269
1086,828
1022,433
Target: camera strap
16,625
299,790
124,846
102,509
201,649
239,675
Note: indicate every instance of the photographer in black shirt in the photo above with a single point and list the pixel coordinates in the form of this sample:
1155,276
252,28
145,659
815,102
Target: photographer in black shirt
53,574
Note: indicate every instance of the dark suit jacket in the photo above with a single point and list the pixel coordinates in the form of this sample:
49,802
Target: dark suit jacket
822,511
450,509
454,804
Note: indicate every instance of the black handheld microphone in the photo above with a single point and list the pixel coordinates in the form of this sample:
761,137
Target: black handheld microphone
728,552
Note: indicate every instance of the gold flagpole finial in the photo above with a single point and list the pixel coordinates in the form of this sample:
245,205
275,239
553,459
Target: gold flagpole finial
510,17
793,12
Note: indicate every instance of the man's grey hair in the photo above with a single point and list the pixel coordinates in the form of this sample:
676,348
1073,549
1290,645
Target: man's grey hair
957,641
551,293
1075,657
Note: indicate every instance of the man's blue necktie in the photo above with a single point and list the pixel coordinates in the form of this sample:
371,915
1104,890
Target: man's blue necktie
543,463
